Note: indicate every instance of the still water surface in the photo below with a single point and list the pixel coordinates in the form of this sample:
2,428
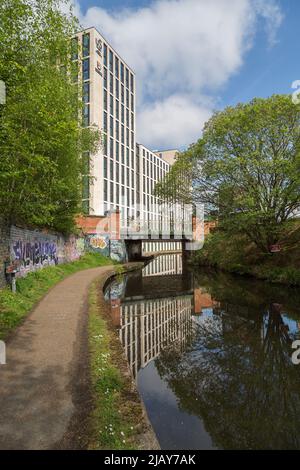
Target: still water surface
211,355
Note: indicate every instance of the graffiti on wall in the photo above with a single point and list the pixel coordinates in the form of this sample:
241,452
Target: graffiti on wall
118,251
115,249
32,250
33,255
98,243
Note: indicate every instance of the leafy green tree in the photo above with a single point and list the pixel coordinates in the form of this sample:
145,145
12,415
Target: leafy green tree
247,167
41,142
177,185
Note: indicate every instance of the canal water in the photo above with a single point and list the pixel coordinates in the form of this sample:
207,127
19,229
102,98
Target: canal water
211,355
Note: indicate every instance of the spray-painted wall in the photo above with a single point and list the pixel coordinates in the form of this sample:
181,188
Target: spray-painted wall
31,250
101,243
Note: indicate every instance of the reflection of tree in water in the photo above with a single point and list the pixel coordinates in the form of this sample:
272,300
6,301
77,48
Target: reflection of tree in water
238,377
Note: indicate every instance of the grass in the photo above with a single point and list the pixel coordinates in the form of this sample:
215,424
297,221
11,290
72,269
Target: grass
30,289
117,418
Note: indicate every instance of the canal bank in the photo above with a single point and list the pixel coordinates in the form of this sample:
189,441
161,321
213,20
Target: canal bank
119,420
234,254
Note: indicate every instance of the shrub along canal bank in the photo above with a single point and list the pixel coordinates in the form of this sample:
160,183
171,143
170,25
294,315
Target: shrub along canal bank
236,255
118,419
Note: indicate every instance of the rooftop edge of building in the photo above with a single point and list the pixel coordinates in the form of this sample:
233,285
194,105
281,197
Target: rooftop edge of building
109,44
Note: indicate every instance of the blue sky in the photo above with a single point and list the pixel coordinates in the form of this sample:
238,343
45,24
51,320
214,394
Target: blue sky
194,56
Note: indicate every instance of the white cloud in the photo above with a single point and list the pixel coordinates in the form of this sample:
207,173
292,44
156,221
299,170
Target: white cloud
182,51
175,120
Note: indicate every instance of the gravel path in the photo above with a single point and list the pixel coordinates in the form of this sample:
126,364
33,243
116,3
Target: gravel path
44,387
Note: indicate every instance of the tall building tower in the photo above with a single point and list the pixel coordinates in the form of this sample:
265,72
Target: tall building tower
108,90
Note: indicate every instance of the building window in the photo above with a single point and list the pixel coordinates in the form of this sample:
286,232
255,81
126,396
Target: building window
131,82
132,102
122,72
111,192
105,78
117,109
117,172
117,152
105,122
86,115
86,45
111,84
111,127
111,170
122,113
117,67
105,190
105,100
74,48
117,84
86,92
127,98
132,140
105,55
86,69
117,130
127,78
122,134
111,106
123,153
105,167
111,150
132,122
111,61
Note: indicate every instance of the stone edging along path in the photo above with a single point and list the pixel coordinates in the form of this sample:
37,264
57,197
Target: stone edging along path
44,386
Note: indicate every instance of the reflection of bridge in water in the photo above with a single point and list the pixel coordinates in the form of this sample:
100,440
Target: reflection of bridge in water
156,307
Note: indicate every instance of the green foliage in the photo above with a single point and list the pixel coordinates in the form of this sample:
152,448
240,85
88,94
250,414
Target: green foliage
41,144
236,254
177,185
245,169
30,289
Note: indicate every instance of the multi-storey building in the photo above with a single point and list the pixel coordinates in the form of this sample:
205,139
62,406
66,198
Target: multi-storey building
108,90
122,174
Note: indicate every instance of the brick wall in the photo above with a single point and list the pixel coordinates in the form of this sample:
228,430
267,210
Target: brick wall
4,252
30,250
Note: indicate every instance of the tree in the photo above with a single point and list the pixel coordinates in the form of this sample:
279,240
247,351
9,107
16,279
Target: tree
41,143
246,169
176,186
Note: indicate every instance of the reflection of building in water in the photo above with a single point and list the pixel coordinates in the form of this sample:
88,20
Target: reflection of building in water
164,265
148,326
160,247
203,302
